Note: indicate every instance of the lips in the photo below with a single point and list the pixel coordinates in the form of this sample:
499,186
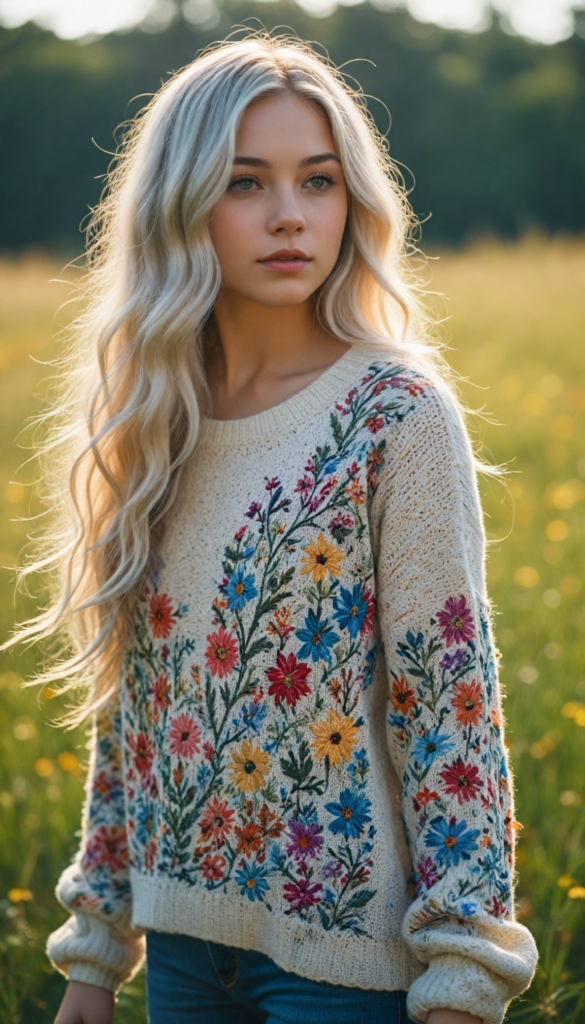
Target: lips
286,260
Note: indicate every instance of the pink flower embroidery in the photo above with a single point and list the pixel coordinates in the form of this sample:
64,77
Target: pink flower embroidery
456,620
184,736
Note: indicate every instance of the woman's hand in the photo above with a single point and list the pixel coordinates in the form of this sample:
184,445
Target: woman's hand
86,1004
452,1017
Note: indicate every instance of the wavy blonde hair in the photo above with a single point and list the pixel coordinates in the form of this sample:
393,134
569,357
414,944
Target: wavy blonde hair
128,411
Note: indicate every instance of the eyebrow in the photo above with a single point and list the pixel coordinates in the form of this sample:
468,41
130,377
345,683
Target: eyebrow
255,161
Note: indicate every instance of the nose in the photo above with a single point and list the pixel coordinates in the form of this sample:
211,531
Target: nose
285,216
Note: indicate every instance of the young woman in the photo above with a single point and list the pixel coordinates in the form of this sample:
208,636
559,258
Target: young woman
299,805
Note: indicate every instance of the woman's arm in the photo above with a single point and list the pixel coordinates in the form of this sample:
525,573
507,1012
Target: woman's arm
98,944
445,722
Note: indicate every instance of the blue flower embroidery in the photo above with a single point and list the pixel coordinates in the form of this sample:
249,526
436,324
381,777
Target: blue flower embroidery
250,877
318,637
453,840
351,609
350,814
433,744
240,589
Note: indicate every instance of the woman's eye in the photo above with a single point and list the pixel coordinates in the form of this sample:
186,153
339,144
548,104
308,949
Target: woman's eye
320,182
242,184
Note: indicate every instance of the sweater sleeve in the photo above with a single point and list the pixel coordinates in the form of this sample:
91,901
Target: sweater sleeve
98,944
445,721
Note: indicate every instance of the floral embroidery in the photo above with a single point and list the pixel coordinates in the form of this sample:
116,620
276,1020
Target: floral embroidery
246,759
445,701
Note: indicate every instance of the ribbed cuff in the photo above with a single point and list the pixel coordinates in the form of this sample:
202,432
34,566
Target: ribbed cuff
457,983
93,974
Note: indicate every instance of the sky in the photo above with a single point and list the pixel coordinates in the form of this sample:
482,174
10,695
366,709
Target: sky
545,21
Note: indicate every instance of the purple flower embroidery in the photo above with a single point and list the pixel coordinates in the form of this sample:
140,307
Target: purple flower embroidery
305,840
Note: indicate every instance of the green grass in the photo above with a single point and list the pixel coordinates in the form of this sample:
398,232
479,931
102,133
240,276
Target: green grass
517,327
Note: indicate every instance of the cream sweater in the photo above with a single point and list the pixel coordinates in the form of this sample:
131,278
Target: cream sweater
306,756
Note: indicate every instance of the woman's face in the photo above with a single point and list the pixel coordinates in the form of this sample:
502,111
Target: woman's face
286,198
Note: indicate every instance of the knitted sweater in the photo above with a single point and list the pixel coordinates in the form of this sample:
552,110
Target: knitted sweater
306,756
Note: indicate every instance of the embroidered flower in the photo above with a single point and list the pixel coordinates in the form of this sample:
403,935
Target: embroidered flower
468,702
213,866
403,697
356,493
240,589
425,796
335,738
318,637
426,874
351,609
143,753
160,616
304,487
252,881
221,653
253,510
375,423
456,620
305,840
321,557
160,691
301,894
217,820
250,766
249,838
184,737
453,840
146,821
461,780
431,745
281,625
108,846
288,680
350,814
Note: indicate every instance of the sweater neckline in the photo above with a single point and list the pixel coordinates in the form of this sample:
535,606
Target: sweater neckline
300,407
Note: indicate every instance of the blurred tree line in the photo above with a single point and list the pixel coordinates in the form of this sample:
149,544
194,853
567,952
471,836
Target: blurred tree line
490,126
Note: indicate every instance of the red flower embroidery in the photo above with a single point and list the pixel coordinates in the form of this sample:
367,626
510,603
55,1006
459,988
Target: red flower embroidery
212,867
462,780
374,424
160,616
184,736
221,653
456,620
108,846
301,894
288,680
160,690
143,749
217,820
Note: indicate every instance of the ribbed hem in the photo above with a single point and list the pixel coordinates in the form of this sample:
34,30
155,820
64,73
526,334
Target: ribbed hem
299,408
92,974
169,905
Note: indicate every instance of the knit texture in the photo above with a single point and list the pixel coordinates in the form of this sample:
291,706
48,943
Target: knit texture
306,753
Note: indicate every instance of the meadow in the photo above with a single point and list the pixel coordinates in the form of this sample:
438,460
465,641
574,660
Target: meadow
515,318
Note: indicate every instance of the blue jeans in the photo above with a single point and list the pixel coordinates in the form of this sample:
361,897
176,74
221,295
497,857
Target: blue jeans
189,981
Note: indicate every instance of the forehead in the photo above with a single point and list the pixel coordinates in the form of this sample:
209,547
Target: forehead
285,124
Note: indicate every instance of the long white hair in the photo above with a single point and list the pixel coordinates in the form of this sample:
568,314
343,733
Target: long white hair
127,414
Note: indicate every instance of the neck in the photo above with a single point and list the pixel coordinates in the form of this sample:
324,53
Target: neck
257,342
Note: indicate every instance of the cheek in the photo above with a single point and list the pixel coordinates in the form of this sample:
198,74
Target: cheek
232,231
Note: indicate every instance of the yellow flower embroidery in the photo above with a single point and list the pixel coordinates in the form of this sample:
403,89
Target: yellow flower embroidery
321,558
336,737
250,766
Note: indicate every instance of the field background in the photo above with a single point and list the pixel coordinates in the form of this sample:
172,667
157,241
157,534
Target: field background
516,323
